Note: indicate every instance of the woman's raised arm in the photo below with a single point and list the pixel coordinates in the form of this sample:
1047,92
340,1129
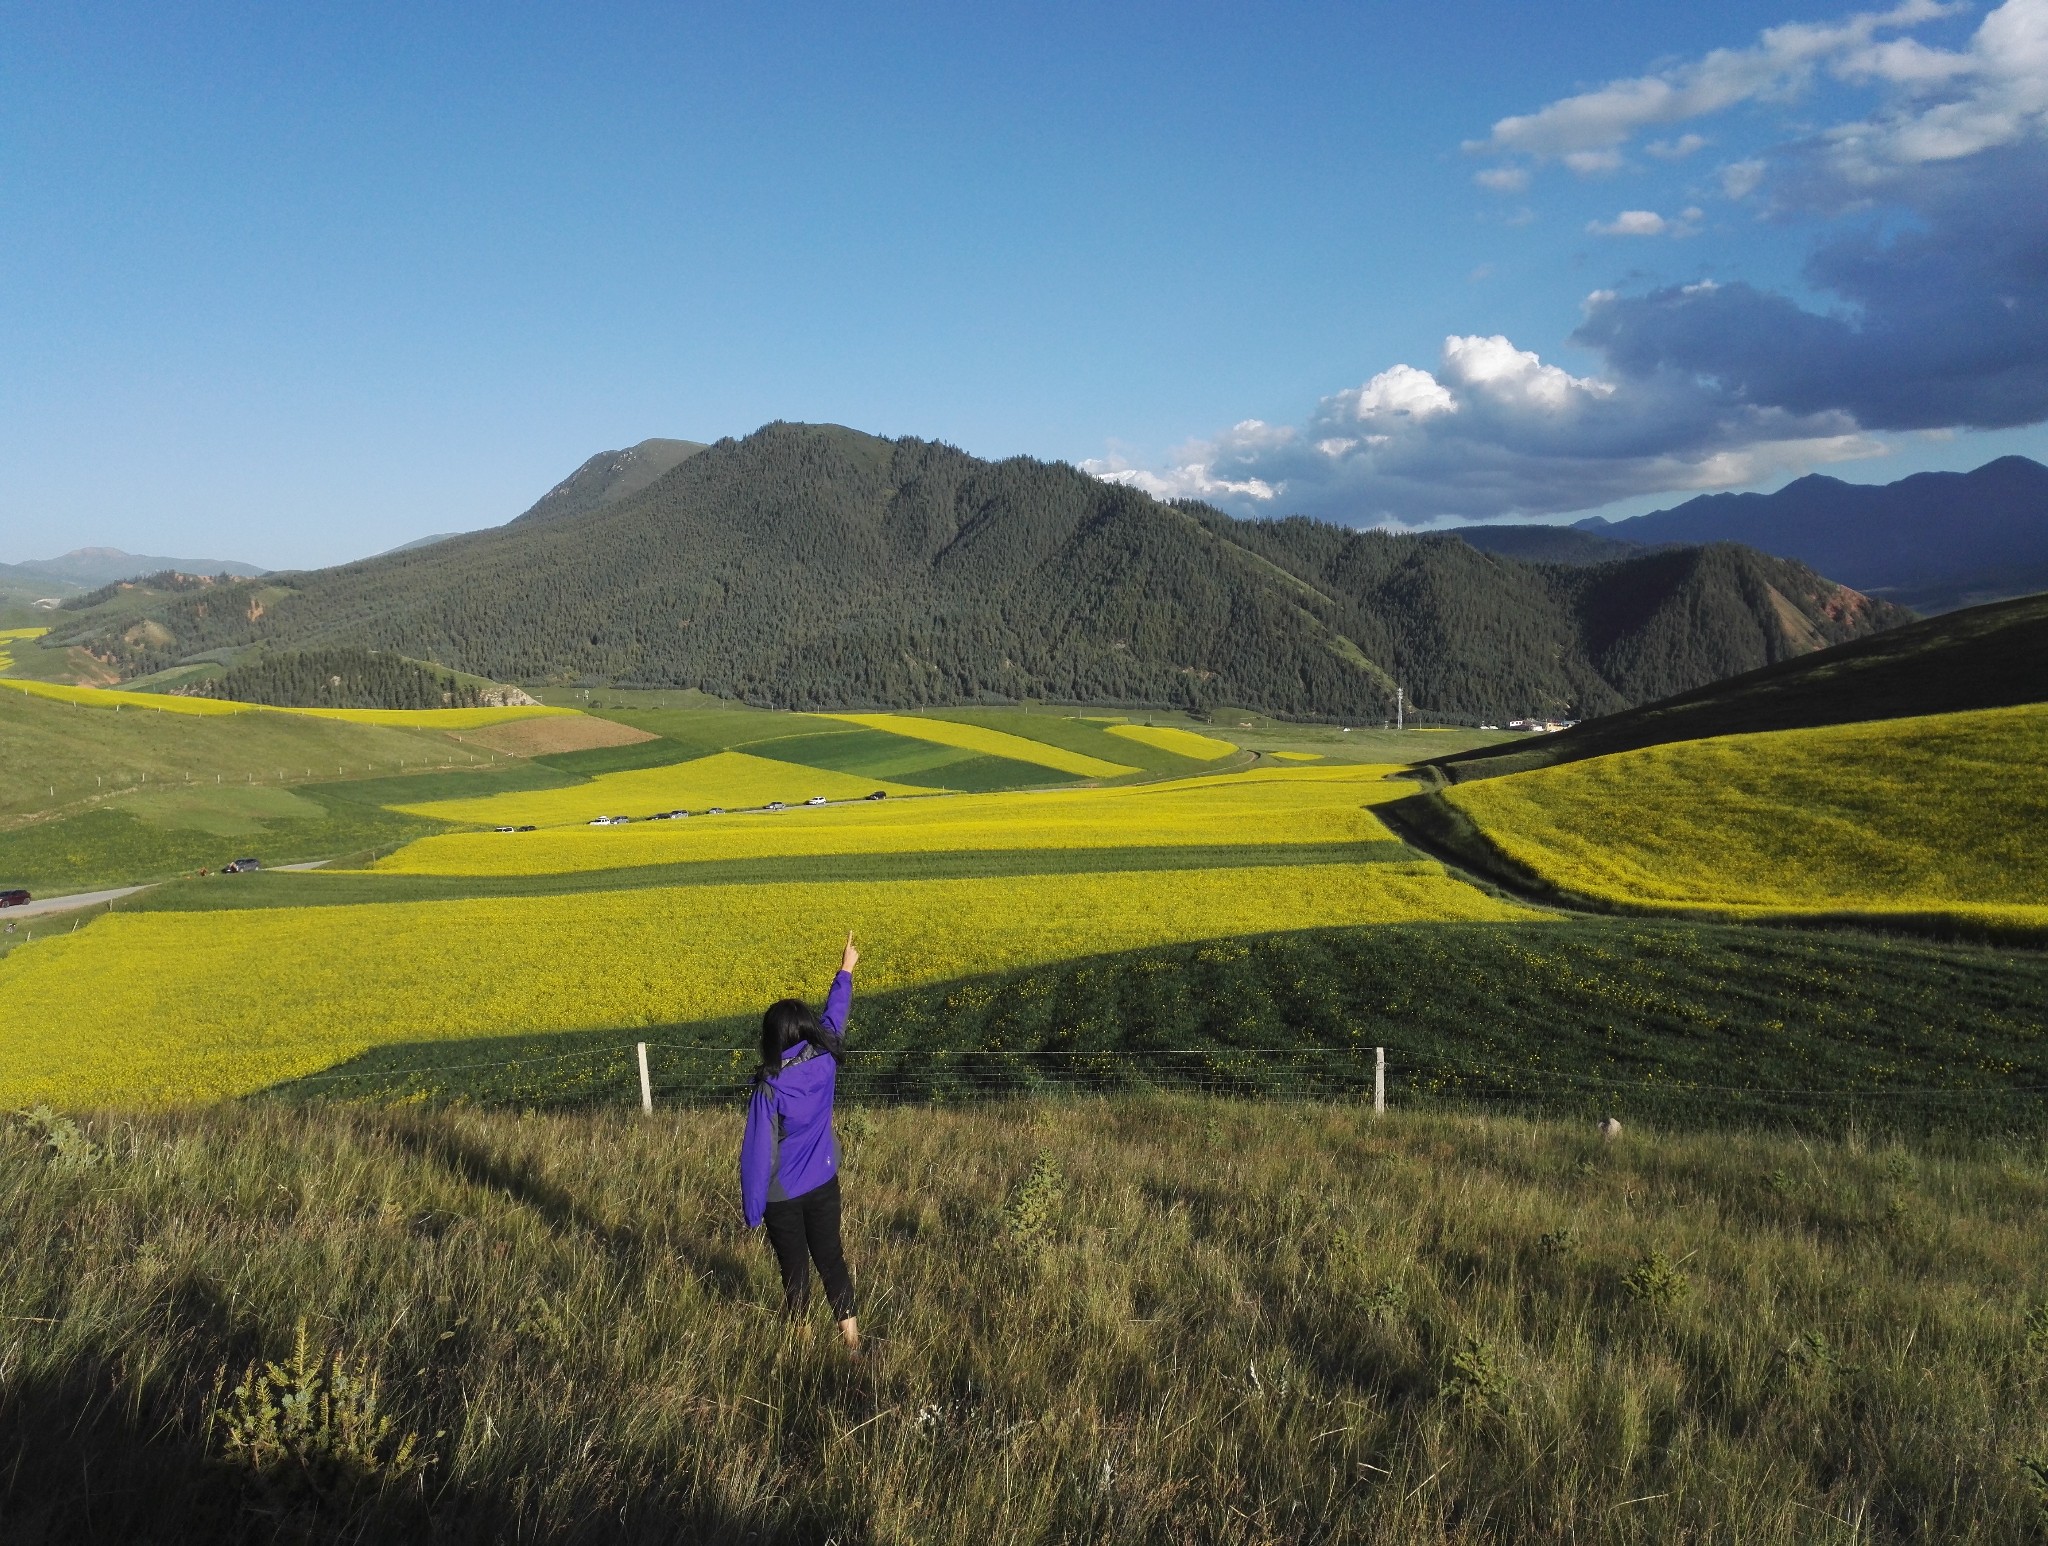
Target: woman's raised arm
840,999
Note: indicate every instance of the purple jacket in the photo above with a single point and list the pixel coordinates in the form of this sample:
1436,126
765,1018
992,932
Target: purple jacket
788,1149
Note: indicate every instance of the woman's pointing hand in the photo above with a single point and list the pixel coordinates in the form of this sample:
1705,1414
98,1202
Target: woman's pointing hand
848,961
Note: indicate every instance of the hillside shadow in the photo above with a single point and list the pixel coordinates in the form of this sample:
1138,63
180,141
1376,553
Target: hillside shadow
85,1459
561,1210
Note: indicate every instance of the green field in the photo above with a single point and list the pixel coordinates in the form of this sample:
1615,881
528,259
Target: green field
1143,1320
1937,815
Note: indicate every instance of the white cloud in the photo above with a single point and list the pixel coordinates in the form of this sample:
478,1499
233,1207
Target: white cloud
1519,377
1593,163
1678,149
1400,393
1503,179
1631,222
1955,104
1647,222
1739,179
1781,61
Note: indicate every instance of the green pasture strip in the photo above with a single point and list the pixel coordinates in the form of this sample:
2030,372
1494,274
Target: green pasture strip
347,888
508,775
1682,1024
150,838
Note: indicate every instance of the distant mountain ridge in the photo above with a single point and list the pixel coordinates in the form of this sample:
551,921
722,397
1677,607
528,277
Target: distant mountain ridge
813,566
89,568
1932,540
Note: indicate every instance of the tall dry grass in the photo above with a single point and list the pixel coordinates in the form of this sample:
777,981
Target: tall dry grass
1136,1320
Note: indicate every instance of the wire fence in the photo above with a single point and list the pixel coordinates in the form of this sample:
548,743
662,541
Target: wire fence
694,1075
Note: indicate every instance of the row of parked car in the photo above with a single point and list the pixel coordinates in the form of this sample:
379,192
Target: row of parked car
716,810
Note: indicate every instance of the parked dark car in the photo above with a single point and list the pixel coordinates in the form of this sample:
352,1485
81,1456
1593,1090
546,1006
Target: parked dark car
241,867
524,829
879,794
15,898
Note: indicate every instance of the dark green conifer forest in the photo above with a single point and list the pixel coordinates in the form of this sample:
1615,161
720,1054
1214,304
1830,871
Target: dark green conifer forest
340,679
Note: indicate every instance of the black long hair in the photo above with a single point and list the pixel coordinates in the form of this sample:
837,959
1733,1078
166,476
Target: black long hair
786,1023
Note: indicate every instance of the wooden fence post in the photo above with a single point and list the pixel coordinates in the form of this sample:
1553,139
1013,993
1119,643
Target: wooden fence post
646,1088
1379,1081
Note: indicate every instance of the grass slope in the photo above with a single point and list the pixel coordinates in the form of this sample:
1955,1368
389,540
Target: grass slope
1987,657
1144,1320
151,836
102,796
1937,814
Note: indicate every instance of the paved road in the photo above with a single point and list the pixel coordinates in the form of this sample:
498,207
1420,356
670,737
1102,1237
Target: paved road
42,906
310,864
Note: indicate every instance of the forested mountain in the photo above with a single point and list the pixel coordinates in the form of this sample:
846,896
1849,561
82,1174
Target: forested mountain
1935,539
811,566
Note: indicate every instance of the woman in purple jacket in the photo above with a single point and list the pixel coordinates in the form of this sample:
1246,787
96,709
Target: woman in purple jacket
789,1162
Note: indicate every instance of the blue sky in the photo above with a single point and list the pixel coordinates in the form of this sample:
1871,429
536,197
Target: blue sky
293,285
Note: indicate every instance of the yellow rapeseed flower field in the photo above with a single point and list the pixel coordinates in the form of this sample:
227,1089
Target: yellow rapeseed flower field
1297,756
410,719
1275,805
111,698
730,779
1944,813
994,743
165,1006
1182,743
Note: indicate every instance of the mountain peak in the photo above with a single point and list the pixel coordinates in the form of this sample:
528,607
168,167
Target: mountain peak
610,476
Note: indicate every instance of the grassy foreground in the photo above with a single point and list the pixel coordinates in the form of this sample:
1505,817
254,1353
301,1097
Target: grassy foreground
1154,1320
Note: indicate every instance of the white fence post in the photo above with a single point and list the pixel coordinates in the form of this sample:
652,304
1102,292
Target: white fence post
646,1087
1379,1080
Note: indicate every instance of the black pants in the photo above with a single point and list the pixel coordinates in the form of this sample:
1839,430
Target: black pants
808,1226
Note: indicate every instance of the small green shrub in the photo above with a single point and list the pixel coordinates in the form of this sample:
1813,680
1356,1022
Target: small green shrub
1656,1281
1384,1304
1477,1379
1033,1209
62,1140
311,1424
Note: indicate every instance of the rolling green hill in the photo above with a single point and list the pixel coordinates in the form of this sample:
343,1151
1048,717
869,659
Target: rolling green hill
810,566
1984,658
